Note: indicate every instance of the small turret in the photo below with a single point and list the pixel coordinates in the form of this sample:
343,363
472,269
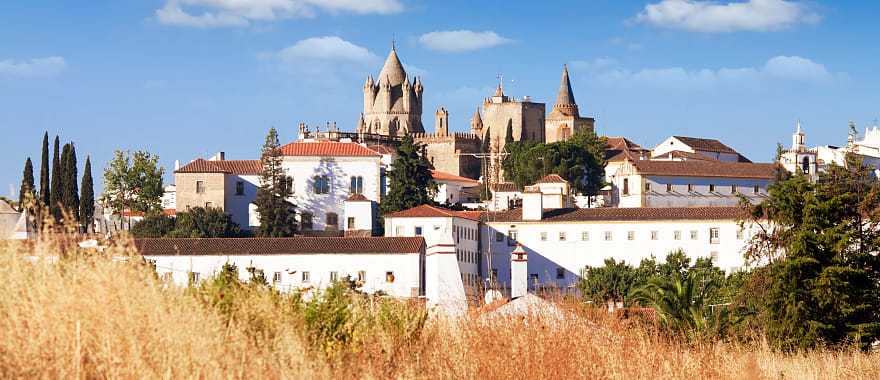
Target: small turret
798,139
361,125
407,95
476,122
384,97
441,122
369,93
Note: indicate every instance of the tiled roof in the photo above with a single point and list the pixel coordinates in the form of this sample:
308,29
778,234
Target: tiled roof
698,168
279,246
357,197
428,211
327,148
624,214
383,149
685,155
551,178
201,165
708,145
505,187
444,176
620,148
621,143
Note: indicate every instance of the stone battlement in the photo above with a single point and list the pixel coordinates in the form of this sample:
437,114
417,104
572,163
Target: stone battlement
432,137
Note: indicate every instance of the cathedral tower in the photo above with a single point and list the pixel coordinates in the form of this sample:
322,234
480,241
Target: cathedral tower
565,120
392,104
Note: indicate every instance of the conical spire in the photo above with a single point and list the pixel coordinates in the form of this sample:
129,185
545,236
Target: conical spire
392,71
477,120
565,103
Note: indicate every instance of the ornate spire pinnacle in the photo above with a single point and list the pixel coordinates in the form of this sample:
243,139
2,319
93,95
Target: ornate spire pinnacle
392,71
565,104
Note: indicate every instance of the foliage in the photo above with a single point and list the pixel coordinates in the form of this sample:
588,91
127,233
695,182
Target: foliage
579,160
26,194
44,171
198,222
69,186
133,181
154,225
55,197
822,284
87,198
410,180
277,213
682,305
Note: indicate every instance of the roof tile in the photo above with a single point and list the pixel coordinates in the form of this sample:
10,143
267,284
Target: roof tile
699,168
428,211
280,246
327,148
201,165
623,214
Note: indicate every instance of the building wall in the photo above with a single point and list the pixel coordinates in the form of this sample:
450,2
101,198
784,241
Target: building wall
574,253
444,152
574,125
527,119
672,144
237,206
187,197
658,196
406,269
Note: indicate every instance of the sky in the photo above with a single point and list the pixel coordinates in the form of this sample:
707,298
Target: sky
186,78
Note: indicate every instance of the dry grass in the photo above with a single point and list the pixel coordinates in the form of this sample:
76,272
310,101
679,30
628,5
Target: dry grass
89,316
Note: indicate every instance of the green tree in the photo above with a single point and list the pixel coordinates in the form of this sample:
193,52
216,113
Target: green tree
485,149
611,282
26,195
87,198
681,306
133,181
44,172
154,225
55,197
201,222
411,183
508,135
277,213
69,178
822,284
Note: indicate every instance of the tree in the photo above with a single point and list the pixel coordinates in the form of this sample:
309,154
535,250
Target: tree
56,189
277,213
508,135
822,282
611,282
87,199
69,178
681,306
485,149
26,195
133,182
201,222
154,225
411,183
44,171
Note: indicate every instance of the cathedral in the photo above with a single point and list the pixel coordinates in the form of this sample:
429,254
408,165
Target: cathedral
392,105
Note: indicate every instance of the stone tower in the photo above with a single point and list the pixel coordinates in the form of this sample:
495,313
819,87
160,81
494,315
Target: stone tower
500,112
477,123
441,122
392,104
565,120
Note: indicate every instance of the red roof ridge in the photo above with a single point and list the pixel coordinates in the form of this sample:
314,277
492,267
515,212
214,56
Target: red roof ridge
201,165
429,211
327,148
444,176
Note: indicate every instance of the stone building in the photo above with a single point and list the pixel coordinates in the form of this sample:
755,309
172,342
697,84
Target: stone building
565,120
500,112
451,153
392,104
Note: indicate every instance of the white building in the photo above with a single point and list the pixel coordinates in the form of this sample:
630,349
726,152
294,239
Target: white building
452,189
812,161
709,148
169,198
13,224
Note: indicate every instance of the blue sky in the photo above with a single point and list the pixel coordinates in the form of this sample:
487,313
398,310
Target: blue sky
186,78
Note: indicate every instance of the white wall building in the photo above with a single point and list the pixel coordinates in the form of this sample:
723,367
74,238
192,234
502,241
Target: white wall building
709,148
812,161
451,188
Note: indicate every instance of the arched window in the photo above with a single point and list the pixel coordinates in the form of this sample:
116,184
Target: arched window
332,220
805,165
357,185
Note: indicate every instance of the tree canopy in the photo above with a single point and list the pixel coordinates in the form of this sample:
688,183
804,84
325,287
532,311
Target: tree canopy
277,212
411,183
133,181
579,160
198,222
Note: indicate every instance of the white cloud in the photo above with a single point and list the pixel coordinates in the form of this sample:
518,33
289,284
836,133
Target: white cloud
328,48
34,68
239,13
713,17
793,69
325,61
461,40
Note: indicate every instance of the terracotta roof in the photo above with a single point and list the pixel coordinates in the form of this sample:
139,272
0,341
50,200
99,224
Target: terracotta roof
697,168
201,165
505,187
708,145
327,148
684,155
620,148
428,211
551,178
382,149
621,143
357,197
624,214
279,246
444,176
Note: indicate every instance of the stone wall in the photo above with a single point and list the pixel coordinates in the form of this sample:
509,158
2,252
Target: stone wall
448,152
187,197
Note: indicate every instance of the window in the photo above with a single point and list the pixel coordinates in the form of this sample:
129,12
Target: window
350,222
630,235
560,273
543,236
694,234
418,231
654,235
239,188
511,237
276,277
714,236
200,187
332,219
668,187
739,234
499,236
398,231
389,277
585,236
690,188
647,187
626,186
321,184
357,185
194,277
757,189
305,276
209,204
305,220
711,188
677,235
290,184
805,165
608,236
561,236
733,189
383,182
362,275
334,276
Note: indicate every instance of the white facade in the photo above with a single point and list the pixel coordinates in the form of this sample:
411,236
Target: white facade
237,204
451,188
812,161
169,198
677,143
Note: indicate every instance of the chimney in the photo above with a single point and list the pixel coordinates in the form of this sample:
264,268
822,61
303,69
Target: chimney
532,205
176,165
519,272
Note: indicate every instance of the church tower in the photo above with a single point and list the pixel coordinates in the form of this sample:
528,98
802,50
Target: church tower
392,103
565,120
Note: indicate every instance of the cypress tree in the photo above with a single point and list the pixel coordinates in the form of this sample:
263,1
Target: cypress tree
70,185
277,213
411,183
508,137
56,187
44,171
87,200
26,193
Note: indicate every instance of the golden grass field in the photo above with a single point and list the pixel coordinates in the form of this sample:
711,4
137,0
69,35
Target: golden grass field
88,316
